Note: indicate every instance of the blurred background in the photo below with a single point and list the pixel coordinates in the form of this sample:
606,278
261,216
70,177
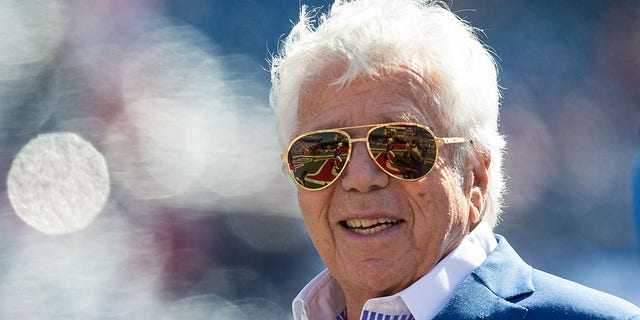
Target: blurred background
141,174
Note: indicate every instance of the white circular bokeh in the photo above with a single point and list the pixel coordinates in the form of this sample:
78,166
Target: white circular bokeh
58,183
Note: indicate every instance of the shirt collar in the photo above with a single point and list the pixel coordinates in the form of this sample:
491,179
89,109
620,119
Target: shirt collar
323,299
445,276
320,299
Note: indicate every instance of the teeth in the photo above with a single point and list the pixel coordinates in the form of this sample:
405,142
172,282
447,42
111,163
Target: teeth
366,223
369,226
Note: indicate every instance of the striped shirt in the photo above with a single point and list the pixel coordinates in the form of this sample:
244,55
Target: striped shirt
375,316
322,298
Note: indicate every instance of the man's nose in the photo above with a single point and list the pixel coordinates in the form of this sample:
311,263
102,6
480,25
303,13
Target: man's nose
361,173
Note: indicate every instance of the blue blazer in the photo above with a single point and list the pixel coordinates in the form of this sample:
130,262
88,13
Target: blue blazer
505,287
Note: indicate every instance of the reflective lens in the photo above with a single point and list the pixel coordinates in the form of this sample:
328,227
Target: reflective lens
403,151
317,159
406,151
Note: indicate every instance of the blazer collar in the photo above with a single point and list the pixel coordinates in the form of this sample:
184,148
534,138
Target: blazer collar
487,293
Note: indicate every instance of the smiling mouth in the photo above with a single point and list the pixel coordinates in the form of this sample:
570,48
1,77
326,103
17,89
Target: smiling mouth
369,226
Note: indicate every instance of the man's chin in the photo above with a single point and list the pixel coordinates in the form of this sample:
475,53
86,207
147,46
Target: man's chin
374,278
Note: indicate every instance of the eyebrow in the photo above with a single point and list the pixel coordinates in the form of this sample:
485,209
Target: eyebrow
404,116
409,117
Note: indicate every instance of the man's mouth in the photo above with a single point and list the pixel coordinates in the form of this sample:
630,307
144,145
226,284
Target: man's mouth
369,226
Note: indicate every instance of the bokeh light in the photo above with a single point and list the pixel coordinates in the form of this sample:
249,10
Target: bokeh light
58,183
30,31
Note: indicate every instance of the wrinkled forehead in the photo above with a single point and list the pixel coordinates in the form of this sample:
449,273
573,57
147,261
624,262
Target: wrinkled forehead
411,92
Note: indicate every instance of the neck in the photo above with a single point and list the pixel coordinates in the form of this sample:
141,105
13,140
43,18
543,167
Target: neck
355,302
355,305
353,313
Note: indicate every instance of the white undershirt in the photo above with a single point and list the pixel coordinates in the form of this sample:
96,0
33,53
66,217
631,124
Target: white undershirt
322,298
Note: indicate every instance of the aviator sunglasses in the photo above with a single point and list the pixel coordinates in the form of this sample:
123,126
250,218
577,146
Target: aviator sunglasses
404,150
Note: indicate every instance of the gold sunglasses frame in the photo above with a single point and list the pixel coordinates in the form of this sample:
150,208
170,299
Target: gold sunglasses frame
440,141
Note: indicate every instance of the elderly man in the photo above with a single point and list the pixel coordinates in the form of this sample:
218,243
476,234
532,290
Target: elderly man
388,111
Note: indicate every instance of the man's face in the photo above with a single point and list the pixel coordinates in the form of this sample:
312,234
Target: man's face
410,225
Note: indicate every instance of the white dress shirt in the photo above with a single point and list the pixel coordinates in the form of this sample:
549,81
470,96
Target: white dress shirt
322,298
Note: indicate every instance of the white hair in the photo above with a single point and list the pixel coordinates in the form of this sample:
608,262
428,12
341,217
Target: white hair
370,36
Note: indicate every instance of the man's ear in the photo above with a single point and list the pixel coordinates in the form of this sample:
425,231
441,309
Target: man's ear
478,182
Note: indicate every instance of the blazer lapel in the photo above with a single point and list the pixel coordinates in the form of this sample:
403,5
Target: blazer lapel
490,289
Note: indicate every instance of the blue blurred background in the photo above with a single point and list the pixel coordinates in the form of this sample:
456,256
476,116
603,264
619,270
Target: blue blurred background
200,223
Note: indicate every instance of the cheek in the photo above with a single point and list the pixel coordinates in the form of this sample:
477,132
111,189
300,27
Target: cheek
306,203
314,207
314,212
311,200
438,204
431,211
433,196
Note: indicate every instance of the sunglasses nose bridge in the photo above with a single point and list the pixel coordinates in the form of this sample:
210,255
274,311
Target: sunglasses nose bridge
368,149
359,140
364,139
